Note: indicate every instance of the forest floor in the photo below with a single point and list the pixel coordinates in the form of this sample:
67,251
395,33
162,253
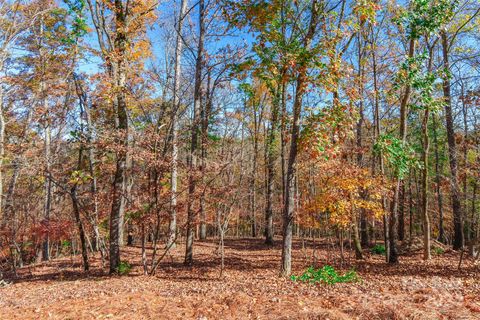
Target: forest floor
249,289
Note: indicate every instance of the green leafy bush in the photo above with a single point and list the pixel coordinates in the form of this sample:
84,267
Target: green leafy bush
378,249
438,251
327,275
124,268
66,244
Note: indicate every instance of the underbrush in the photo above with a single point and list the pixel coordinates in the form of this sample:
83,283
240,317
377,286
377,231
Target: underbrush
327,275
124,268
378,249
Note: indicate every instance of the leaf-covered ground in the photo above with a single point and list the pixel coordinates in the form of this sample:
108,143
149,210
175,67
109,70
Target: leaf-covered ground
250,288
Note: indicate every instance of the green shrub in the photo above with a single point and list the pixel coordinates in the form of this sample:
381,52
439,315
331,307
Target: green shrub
66,244
124,268
438,251
378,249
327,275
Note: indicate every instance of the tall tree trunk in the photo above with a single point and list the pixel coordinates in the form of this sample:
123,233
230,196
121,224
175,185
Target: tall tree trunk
47,148
205,116
363,215
378,131
271,158
468,221
193,146
93,217
452,148
253,179
426,219
441,230
393,227
172,226
426,148
119,189
301,83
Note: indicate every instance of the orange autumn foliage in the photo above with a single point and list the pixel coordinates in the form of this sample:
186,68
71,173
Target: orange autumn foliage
339,192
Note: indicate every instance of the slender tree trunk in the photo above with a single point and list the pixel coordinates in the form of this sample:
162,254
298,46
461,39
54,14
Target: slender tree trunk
475,216
253,179
81,232
426,148
356,235
93,217
144,250
410,205
426,219
47,148
286,266
401,213
441,230
194,142
286,263
119,189
172,226
452,148
469,221
271,158
378,131
363,215
393,227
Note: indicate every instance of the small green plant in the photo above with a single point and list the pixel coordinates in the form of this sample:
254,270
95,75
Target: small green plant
378,249
327,274
66,244
438,251
124,268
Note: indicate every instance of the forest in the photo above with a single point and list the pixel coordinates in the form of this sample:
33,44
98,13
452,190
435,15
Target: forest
239,159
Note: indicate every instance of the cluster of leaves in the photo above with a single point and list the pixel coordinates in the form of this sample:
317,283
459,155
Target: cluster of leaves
411,73
326,130
124,268
343,190
400,156
366,10
438,251
378,249
79,26
426,16
327,275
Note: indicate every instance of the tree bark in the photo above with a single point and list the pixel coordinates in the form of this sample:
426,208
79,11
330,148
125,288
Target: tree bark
441,230
452,150
286,263
194,142
119,189
426,218
271,158
172,225
393,223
